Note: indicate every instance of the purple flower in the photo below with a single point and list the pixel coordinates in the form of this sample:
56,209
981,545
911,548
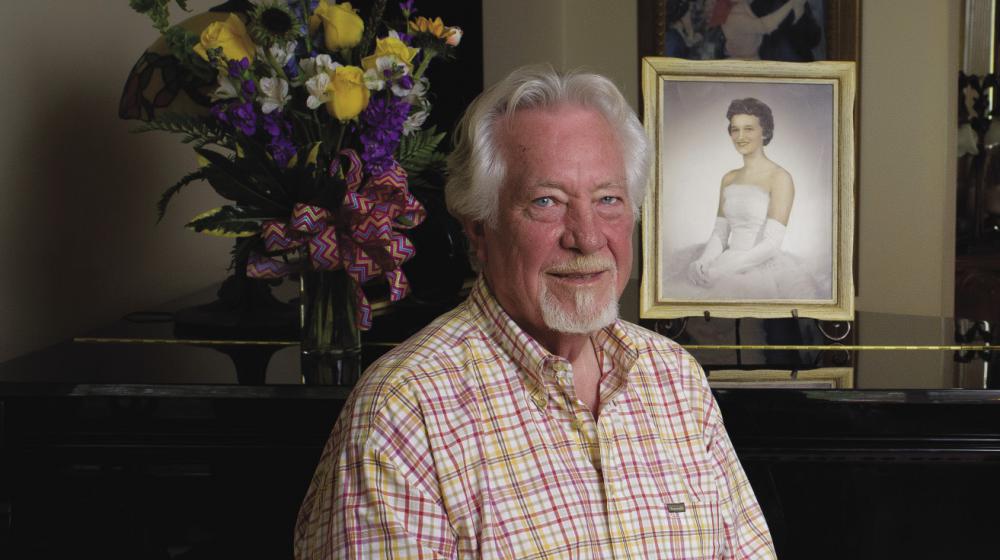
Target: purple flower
243,117
292,68
272,123
407,6
238,67
282,150
249,88
281,147
383,125
296,7
406,82
219,112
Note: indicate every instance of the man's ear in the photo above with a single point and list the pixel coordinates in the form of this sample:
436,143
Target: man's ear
475,230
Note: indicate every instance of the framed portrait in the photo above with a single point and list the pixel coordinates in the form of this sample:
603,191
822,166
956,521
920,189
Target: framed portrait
820,378
782,30
750,208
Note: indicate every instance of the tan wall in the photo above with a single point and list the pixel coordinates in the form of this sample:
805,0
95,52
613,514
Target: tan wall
79,191
907,199
77,223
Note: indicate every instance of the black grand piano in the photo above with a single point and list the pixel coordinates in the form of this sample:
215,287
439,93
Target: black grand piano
878,439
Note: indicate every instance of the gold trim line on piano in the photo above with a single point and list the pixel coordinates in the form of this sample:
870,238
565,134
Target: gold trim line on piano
956,347
202,342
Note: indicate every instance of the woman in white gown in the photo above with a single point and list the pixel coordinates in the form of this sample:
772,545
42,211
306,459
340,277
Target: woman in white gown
744,30
742,258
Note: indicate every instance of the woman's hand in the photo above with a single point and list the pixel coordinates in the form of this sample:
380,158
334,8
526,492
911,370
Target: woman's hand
698,273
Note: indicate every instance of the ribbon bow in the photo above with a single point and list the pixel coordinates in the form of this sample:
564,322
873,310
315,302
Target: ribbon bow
364,238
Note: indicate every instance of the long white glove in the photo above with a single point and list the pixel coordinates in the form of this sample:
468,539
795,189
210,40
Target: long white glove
735,261
717,242
771,21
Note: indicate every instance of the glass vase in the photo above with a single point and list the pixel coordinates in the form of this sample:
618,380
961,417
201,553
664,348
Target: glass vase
330,340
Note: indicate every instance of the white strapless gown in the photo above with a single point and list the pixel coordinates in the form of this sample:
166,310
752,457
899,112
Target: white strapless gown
782,277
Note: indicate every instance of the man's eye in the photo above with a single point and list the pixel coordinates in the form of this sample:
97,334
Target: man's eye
610,199
543,201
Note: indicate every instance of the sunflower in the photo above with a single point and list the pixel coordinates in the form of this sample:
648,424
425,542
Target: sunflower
271,22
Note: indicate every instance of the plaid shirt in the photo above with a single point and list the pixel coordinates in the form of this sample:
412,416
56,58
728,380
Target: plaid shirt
467,441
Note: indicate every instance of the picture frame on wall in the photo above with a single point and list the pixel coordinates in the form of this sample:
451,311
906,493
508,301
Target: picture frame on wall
696,29
750,208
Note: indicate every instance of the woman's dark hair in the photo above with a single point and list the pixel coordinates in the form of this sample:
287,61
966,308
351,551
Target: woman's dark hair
676,10
756,108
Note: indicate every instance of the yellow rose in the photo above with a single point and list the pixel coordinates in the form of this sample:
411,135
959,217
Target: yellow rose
230,35
394,47
348,94
342,27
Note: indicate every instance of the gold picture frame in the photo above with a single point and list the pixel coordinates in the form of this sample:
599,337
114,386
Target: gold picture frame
809,165
820,378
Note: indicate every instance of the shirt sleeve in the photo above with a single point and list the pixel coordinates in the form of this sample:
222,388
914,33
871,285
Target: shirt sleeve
375,493
745,529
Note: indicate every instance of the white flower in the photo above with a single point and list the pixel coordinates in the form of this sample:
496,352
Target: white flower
229,87
397,88
274,94
374,79
455,37
418,94
317,65
414,122
282,54
388,70
316,86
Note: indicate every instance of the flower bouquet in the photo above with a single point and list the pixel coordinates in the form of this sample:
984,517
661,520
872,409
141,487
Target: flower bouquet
314,130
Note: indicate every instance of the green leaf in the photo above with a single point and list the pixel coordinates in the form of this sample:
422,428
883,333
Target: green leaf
233,181
196,130
181,43
161,207
229,221
418,151
261,170
157,10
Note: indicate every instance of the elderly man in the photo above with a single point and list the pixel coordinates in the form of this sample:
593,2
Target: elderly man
530,422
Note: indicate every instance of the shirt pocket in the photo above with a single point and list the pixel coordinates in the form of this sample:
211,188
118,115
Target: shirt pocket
688,517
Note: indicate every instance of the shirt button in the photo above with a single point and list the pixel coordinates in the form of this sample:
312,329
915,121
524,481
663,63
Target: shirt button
540,400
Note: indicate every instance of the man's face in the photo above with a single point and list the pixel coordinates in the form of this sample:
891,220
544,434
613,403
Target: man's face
561,253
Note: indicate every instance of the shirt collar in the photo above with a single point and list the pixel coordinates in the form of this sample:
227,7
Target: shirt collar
537,363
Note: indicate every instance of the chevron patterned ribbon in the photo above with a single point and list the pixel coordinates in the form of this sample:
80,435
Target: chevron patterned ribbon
367,243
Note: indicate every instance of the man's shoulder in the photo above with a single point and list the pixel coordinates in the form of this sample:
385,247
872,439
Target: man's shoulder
661,356
436,354
648,340
445,338
420,382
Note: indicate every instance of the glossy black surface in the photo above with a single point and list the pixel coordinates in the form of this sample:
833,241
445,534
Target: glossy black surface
155,449
872,474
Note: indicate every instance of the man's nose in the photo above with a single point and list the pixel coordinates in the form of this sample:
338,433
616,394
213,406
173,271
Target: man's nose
582,231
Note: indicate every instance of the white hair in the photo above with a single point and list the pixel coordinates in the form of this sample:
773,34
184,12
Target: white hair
476,168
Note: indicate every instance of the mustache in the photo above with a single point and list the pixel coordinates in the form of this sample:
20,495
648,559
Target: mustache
584,264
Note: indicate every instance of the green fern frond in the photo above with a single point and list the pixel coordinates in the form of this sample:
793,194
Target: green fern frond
161,206
158,11
418,151
229,221
195,130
